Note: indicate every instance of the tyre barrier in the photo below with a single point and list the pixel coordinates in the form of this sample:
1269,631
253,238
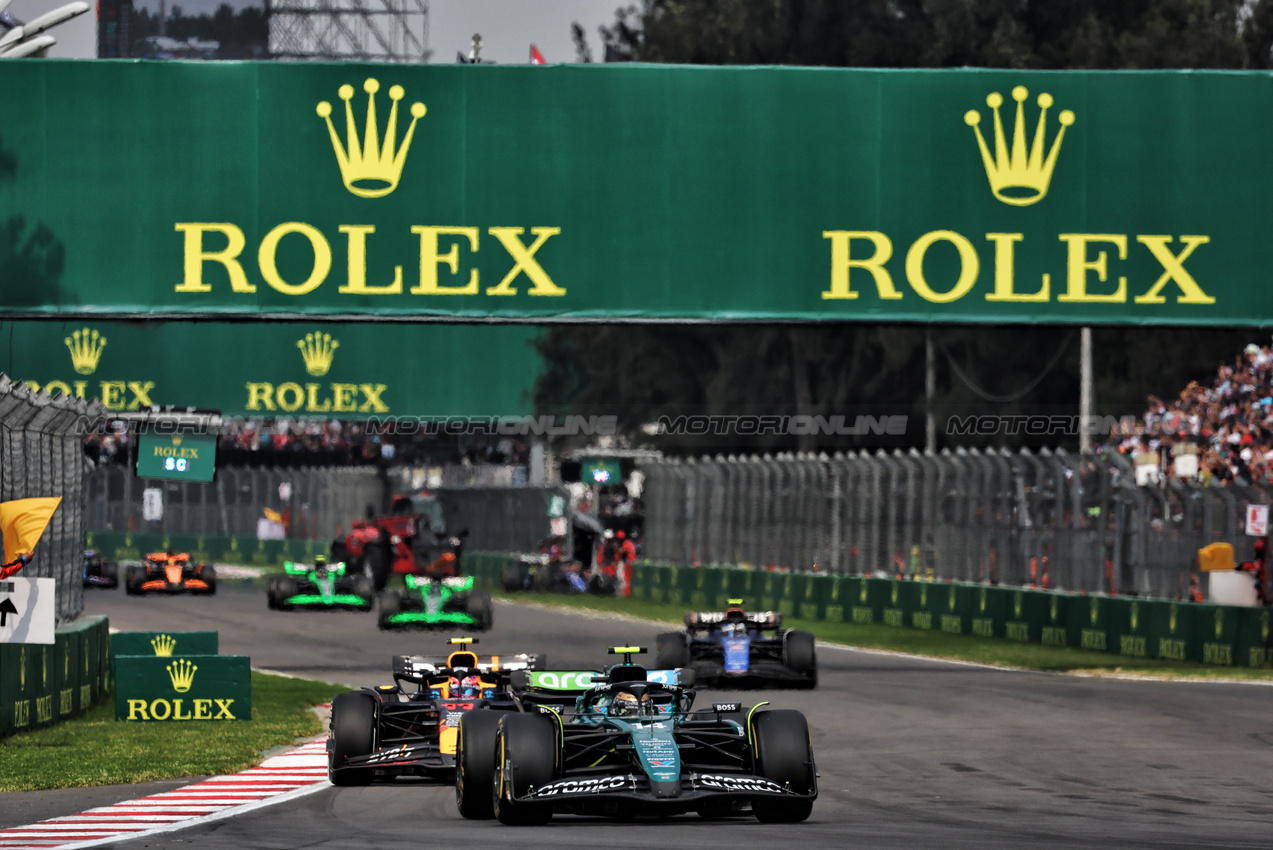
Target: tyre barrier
1220,635
44,684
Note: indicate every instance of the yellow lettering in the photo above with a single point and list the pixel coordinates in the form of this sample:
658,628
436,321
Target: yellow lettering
373,403
260,396
322,258
1078,265
983,627
137,710
195,257
314,406
203,709
113,394
295,396
155,705
1017,631
430,260
842,263
223,709
346,397
1005,262
1174,270
176,711
357,284
141,394
57,387
80,388
969,266
22,713
523,261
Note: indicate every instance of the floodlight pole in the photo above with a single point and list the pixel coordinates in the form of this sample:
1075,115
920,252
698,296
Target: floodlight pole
1085,388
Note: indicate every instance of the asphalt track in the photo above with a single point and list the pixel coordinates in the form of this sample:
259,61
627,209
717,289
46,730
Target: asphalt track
912,753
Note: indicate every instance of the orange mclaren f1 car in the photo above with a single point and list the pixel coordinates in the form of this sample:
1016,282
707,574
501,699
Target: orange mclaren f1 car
170,572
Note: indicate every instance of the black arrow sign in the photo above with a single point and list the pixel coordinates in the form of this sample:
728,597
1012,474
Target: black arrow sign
6,608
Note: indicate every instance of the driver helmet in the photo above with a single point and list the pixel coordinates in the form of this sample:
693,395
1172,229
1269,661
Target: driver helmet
469,686
625,704
320,564
734,629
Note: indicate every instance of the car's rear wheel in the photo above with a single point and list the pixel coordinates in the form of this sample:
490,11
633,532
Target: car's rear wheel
366,589
511,578
353,734
785,756
390,604
475,765
376,564
208,574
801,656
525,758
110,572
285,589
133,579
478,606
671,650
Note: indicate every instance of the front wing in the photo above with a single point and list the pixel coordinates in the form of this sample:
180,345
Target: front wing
627,791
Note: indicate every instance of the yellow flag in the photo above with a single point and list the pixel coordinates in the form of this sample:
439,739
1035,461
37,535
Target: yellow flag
23,521
273,516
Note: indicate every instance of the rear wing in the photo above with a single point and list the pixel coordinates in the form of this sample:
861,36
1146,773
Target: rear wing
563,687
755,619
418,668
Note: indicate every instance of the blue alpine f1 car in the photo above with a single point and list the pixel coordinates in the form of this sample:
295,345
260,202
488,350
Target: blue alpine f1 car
739,647
626,746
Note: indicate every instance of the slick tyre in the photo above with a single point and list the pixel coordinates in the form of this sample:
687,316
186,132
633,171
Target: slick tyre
671,651
353,734
110,572
390,604
475,765
366,589
284,589
377,565
133,580
800,656
511,579
478,606
785,756
525,757
209,576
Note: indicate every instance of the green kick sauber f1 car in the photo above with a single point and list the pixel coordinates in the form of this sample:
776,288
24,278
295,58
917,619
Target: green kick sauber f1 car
320,585
436,603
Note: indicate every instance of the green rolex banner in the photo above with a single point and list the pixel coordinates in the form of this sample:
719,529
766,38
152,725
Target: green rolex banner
182,688
163,644
279,369
629,191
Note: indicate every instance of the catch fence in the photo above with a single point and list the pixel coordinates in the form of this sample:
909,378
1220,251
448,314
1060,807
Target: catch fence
42,454
1047,518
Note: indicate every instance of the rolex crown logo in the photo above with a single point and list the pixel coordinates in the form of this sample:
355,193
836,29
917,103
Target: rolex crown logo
1094,613
1219,622
176,439
1018,178
182,673
163,644
318,349
370,169
86,348
1017,599
1135,616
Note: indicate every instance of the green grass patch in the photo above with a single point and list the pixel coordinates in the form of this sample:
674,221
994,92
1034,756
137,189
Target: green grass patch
935,644
95,749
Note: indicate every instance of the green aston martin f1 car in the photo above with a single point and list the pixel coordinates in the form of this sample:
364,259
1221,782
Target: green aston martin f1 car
320,585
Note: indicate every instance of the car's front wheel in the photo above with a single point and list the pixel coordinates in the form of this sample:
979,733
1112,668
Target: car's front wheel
783,755
475,764
525,758
353,727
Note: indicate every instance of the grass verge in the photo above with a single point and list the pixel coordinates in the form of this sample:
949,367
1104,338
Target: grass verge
95,749
935,644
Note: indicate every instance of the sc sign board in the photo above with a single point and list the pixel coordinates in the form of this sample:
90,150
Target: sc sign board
1257,520
26,610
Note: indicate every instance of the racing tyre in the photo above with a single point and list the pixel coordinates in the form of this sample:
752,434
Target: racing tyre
209,576
376,565
529,742
271,593
110,572
478,606
475,765
133,579
365,588
672,650
512,578
353,734
285,589
785,756
798,651
390,604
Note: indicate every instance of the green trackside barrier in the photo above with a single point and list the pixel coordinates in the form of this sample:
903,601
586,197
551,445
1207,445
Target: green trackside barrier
1024,612
709,590
987,612
918,599
1171,631
837,605
129,546
892,600
687,579
1216,632
957,603
1130,631
855,603
737,584
163,643
642,577
664,585
818,593
43,684
1255,638
1054,631
794,590
183,688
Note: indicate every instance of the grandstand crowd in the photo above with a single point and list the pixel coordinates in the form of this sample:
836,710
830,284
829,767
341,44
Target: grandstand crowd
1228,422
